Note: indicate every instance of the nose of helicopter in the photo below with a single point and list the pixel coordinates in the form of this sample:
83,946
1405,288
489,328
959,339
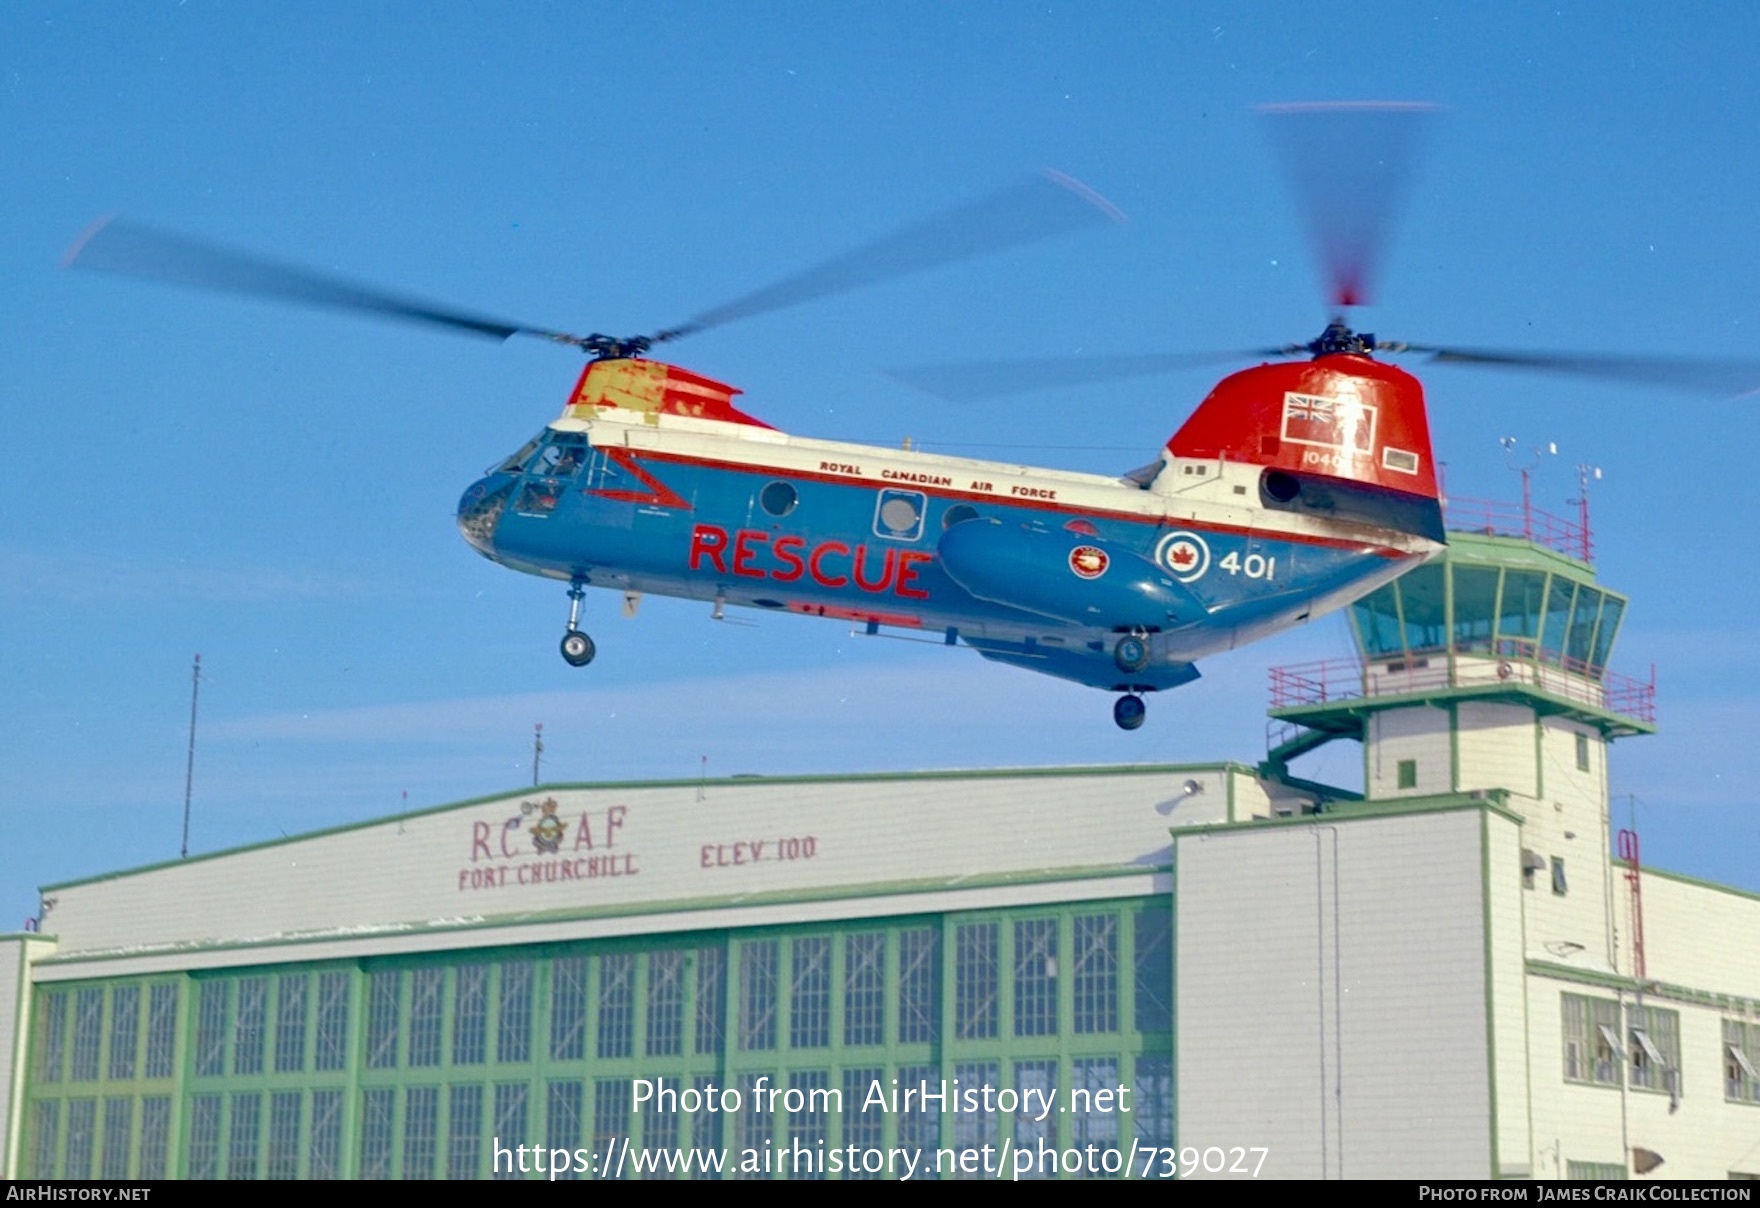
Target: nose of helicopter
479,510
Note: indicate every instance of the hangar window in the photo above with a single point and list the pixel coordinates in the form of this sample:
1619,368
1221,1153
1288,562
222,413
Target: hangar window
919,973
1096,973
421,1131
568,1009
666,1003
248,1032
211,1029
1035,977
1092,1122
513,1030
427,1004
464,1133
244,1122
809,1125
757,995
977,970
1592,1051
382,1003
1034,1080
711,999
470,1014
1601,1172
88,1033
162,1030
331,1051
611,1112
972,1130
863,1127
1655,1048
290,1023
155,1145
564,1100
1153,962
118,1127
125,1019
617,1006
283,1154
864,988
1741,1061
809,1000
510,1117
204,1136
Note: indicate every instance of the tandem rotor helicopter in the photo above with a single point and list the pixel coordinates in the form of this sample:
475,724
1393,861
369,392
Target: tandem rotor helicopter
1296,487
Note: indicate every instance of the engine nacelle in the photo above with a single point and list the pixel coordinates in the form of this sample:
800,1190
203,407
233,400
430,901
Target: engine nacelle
1056,573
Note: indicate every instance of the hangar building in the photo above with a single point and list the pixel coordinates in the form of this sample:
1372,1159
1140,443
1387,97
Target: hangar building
1215,969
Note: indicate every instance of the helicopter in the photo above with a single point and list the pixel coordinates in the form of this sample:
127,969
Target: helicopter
1296,487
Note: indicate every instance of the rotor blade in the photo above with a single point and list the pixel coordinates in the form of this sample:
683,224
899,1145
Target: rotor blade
114,246
1716,377
978,381
1035,208
1348,162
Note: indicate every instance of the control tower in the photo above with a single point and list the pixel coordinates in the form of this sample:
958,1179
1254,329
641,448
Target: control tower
1486,672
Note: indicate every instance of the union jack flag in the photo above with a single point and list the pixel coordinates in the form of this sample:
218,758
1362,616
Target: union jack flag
1343,424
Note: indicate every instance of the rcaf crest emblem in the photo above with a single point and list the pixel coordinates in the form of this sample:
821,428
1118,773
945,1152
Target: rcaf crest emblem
1088,561
548,830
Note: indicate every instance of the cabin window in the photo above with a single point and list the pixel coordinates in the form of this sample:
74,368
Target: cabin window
898,515
959,513
778,498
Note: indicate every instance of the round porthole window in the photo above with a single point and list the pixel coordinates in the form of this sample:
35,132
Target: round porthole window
899,514
778,498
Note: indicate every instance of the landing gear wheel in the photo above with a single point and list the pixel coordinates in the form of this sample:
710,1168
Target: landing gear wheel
1131,653
578,649
1129,711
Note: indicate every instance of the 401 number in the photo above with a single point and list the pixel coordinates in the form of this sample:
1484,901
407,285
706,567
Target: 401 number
1253,566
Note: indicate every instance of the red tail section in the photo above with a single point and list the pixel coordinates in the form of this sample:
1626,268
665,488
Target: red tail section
1340,417
654,388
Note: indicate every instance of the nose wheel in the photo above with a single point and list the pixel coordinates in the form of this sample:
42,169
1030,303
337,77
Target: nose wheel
577,648
1129,711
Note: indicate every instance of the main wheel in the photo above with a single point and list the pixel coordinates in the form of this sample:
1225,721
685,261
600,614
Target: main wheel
1129,711
577,648
1131,653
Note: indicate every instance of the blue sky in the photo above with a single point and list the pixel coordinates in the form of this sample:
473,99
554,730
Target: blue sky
274,488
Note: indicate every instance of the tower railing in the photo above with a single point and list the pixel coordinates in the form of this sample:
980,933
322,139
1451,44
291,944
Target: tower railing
1343,679
1499,518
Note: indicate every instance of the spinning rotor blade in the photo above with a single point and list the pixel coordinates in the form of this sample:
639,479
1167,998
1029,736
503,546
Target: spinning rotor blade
1726,378
114,246
1348,162
980,381
1039,207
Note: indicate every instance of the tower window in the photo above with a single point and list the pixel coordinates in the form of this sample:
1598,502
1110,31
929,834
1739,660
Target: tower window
1407,774
1582,752
1558,882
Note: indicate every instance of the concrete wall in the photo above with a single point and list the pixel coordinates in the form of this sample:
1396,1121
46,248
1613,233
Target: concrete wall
1330,989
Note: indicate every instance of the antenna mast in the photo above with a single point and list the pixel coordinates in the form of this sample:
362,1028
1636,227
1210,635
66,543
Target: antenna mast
189,767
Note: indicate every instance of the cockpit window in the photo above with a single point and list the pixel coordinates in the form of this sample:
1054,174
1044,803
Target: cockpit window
514,464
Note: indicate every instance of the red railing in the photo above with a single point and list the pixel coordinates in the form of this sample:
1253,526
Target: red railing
1350,679
1498,519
